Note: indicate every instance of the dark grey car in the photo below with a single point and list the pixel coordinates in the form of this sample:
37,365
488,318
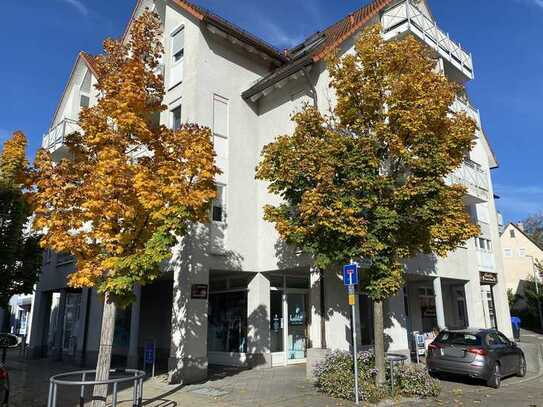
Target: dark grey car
479,353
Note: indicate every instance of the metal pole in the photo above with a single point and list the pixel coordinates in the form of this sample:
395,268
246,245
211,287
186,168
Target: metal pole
82,393
135,391
50,398
114,396
536,280
54,403
392,377
141,393
355,355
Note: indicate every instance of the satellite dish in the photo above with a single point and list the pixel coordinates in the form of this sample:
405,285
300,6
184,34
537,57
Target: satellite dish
9,341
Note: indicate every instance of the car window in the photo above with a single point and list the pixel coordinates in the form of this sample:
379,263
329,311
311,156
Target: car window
493,339
459,338
504,339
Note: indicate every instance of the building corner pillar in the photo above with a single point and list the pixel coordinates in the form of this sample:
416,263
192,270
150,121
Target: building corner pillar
132,359
440,310
258,322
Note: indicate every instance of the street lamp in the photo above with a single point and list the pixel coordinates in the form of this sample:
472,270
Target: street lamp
536,280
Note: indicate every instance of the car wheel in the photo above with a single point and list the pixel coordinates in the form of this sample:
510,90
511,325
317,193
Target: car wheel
522,367
495,378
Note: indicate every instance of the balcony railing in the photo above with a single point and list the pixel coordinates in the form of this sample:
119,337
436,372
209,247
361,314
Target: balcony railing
485,260
474,178
460,105
405,16
54,139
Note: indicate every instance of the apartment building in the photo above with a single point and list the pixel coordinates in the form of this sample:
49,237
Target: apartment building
233,293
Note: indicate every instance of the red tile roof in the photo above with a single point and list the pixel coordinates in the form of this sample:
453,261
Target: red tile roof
90,61
337,33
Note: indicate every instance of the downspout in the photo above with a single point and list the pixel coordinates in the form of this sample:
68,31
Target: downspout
311,87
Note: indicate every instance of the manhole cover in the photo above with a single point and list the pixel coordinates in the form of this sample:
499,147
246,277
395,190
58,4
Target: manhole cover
210,392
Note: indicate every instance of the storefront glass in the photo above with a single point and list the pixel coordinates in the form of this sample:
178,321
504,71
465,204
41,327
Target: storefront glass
296,326
228,322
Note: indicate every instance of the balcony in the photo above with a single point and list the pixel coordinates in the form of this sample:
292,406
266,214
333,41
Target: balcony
485,260
460,105
474,178
406,17
54,139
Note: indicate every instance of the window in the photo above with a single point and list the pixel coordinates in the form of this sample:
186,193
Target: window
47,256
512,233
217,209
220,129
227,322
459,338
176,118
64,258
484,244
507,252
522,252
177,49
84,101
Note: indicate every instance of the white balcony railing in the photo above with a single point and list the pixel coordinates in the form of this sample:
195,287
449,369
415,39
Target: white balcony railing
460,105
485,260
54,139
405,17
474,178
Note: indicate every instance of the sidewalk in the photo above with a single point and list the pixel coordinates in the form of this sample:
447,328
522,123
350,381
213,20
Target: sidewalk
277,387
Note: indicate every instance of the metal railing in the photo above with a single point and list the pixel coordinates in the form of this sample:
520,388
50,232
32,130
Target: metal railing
460,105
473,177
132,376
405,16
54,139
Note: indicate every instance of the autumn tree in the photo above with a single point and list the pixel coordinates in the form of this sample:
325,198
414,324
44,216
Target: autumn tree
131,187
368,179
533,227
20,255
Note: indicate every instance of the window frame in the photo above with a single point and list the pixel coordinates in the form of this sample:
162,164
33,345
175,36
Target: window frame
177,105
173,33
223,205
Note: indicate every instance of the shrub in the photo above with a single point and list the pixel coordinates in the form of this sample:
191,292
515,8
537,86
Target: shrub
335,376
414,381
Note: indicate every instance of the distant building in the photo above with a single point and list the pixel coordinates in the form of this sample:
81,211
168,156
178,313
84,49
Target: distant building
520,254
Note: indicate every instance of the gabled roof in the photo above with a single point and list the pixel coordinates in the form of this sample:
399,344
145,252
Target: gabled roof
88,60
522,232
321,44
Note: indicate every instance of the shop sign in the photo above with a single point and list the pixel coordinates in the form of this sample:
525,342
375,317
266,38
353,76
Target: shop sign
297,318
199,292
488,278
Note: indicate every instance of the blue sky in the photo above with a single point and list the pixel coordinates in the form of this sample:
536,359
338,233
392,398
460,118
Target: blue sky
39,40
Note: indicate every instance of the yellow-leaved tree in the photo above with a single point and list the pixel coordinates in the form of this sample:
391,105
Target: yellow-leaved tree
130,187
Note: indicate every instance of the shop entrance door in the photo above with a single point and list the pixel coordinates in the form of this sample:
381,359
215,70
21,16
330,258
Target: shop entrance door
288,325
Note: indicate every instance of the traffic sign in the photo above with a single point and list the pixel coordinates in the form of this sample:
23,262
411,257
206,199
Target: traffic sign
350,274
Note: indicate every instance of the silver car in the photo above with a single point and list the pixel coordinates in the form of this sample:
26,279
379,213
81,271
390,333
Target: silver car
479,353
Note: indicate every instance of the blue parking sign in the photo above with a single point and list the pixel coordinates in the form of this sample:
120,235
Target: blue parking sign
350,274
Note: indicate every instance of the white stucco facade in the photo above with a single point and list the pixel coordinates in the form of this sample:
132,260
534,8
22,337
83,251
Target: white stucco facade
263,290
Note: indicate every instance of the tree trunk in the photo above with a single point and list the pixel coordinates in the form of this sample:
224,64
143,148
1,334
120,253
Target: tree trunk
379,339
322,309
103,365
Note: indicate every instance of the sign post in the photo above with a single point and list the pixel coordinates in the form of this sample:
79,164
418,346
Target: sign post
149,357
350,279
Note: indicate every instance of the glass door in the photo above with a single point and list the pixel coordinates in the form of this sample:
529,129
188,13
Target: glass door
297,332
276,323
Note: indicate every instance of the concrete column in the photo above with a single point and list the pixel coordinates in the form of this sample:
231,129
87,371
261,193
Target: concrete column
258,322
501,307
188,349
395,324
60,325
41,310
474,304
440,311
315,335
133,353
81,331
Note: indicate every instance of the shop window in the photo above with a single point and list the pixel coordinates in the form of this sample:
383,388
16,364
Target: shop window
227,329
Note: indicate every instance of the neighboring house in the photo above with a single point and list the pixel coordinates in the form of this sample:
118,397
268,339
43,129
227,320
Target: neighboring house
520,256
263,305
18,320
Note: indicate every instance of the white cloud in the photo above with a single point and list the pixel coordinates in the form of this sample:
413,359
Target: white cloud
79,6
278,36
